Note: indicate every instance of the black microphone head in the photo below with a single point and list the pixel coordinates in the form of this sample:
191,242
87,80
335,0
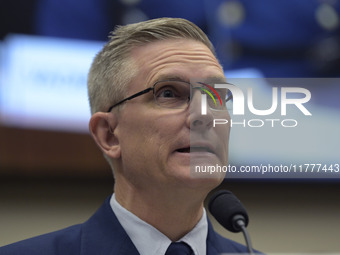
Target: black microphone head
227,209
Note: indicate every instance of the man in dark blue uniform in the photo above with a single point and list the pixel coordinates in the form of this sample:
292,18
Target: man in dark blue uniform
140,88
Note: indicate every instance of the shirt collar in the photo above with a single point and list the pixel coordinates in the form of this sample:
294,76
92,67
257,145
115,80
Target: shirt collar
149,241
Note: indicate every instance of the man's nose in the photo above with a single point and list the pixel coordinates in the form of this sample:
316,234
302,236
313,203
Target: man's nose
199,120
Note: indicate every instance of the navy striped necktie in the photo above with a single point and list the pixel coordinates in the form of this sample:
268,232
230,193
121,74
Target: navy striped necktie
180,248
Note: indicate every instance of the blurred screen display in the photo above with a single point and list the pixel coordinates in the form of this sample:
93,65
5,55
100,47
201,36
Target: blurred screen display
43,82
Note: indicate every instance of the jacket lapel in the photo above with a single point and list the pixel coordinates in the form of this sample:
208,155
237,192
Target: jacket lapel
216,244
102,234
213,246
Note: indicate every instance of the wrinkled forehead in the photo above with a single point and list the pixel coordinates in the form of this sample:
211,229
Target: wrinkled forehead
177,59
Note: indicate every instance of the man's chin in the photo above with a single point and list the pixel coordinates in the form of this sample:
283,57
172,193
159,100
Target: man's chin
204,182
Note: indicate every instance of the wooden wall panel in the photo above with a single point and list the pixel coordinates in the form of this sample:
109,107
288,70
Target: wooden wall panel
46,153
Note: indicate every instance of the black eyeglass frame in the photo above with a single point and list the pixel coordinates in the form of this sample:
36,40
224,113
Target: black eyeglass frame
147,91
142,93
132,97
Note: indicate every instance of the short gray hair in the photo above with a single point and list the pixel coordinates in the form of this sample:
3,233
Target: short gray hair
113,67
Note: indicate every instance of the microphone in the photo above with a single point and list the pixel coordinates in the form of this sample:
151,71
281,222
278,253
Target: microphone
230,213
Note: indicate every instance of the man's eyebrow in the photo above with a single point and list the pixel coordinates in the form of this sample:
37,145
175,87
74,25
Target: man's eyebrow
175,77
215,80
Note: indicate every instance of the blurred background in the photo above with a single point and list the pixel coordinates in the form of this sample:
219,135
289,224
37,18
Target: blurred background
52,175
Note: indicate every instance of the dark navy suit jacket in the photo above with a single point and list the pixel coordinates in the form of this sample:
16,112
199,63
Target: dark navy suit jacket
102,234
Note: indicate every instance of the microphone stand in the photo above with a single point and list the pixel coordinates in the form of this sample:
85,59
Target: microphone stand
240,223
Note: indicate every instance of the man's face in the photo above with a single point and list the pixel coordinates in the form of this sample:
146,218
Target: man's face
154,141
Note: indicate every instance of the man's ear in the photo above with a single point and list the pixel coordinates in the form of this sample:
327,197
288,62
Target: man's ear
102,128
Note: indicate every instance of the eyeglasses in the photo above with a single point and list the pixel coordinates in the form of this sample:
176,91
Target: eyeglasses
177,94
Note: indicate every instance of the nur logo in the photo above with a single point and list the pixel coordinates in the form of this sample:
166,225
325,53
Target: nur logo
230,91
212,103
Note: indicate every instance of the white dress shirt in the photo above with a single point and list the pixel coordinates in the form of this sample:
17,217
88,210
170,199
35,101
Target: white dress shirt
150,241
